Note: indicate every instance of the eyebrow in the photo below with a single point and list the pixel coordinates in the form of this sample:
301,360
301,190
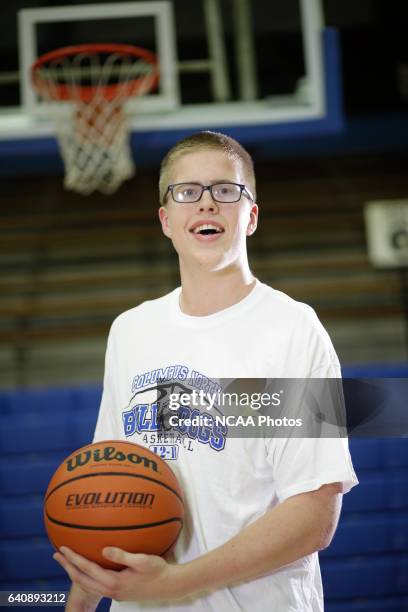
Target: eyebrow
223,181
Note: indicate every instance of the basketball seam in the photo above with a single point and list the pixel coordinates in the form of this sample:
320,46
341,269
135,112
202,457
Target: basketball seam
173,542
114,474
115,528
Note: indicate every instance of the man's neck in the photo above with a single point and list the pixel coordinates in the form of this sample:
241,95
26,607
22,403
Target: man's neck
209,292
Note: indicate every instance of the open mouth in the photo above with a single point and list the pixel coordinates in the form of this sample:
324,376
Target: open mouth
207,230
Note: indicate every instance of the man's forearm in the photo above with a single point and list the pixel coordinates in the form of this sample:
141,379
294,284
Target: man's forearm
298,527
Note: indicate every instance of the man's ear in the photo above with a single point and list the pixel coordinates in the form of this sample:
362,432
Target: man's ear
253,219
164,220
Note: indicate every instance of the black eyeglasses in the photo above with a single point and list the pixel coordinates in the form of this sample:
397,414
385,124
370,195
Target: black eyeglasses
227,193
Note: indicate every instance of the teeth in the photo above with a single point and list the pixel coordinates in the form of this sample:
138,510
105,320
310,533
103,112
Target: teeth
206,226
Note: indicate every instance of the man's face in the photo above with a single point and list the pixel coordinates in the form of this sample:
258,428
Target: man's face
234,221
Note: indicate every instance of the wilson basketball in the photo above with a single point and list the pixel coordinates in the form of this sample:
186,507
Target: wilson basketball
114,493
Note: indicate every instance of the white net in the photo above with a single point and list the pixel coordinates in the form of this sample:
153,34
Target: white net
94,135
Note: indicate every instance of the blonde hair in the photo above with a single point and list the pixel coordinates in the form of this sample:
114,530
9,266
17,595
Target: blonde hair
207,140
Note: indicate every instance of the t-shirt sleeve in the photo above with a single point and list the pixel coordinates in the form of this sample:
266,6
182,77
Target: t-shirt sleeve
106,428
305,464
315,347
302,464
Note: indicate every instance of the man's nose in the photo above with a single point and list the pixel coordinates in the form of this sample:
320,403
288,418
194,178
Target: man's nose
207,203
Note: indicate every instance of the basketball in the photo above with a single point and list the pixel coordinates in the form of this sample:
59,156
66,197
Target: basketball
114,493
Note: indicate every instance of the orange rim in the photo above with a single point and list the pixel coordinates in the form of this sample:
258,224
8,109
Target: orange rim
63,92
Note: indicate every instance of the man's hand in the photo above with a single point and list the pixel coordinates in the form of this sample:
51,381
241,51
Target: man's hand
146,577
297,527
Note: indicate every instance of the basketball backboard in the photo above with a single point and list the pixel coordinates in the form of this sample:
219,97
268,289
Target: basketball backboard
269,65
160,16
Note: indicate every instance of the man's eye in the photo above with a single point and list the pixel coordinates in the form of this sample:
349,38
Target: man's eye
187,192
226,190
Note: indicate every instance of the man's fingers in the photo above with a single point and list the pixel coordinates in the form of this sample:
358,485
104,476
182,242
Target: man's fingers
135,561
143,564
89,567
85,582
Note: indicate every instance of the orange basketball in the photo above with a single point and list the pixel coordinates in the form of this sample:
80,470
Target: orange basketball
114,493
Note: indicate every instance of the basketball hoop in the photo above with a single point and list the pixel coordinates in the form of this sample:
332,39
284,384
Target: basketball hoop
92,83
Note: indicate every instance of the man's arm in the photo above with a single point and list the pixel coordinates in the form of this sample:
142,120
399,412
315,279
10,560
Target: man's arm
301,525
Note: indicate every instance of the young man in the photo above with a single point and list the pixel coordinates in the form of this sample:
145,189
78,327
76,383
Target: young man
258,510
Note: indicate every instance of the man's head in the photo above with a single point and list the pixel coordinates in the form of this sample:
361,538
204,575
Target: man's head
210,141
207,187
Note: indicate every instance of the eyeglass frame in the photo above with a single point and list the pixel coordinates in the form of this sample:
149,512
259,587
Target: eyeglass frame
209,188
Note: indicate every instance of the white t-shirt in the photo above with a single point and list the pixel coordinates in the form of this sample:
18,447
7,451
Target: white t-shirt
228,482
